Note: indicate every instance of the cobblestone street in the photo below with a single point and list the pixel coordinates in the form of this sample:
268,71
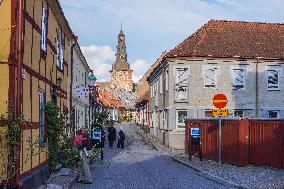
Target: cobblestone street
141,166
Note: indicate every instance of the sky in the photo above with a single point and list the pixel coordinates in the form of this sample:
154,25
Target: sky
152,26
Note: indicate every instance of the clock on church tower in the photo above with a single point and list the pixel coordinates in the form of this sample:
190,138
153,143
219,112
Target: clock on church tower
121,74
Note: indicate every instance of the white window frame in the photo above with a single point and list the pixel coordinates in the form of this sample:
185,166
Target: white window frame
176,87
167,79
60,50
277,111
177,123
273,87
42,118
205,72
240,85
43,29
161,84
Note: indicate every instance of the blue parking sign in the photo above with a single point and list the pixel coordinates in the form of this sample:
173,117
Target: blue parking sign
96,135
195,131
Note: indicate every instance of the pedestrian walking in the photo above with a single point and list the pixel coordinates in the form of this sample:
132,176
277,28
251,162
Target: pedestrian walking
81,142
111,136
121,138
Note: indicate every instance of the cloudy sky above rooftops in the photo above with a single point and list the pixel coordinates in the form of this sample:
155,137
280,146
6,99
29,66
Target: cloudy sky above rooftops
152,26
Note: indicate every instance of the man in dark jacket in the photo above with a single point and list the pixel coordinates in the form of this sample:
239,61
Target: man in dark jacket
120,143
111,136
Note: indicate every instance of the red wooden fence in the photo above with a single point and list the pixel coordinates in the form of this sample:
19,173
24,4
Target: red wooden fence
267,143
259,142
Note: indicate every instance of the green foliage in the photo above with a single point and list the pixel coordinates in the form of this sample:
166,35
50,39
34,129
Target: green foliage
14,124
69,154
54,128
100,120
61,147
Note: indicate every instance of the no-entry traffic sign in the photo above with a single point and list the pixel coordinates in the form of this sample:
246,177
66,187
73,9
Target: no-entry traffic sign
220,101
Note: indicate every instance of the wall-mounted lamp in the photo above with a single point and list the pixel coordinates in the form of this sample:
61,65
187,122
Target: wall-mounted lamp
92,79
58,82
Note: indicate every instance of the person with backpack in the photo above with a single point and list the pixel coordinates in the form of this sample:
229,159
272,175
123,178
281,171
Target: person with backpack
120,143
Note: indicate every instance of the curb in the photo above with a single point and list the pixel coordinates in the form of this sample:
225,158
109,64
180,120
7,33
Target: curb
208,176
199,172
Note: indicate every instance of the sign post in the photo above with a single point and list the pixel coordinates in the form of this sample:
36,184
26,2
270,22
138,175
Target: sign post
97,137
195,140
220,101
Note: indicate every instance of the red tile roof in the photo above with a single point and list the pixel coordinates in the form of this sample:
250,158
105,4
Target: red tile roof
220,38
108,99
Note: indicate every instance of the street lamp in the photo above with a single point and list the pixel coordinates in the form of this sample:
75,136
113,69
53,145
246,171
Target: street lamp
92,79
54,90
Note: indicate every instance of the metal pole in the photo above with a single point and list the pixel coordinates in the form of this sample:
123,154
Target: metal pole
219,138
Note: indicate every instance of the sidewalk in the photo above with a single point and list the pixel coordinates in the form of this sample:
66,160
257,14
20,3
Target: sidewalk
64,179
241,177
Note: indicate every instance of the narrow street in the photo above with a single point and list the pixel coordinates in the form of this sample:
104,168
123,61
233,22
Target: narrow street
141,166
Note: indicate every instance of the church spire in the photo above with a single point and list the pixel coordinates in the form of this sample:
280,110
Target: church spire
121,54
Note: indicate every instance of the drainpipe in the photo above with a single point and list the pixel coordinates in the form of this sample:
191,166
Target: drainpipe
19,81
256,90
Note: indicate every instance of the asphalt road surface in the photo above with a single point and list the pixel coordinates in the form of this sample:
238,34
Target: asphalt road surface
140,166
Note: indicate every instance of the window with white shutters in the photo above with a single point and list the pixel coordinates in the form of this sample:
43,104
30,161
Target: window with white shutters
58,50
62,50
181,84
43,29
272,79
239,79
210,77
167,79
161,84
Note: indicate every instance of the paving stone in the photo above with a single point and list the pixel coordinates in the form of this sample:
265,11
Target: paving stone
64,172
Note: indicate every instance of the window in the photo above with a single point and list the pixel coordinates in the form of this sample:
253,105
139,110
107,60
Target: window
161,84
181,84
159,120
210,78
181,115
208,113
43,29
167,79
239,113
239,79
272,79
273,113
42,118
60,50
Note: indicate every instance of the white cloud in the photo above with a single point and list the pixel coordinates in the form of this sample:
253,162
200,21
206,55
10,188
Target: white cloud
139,68
99,60
136,78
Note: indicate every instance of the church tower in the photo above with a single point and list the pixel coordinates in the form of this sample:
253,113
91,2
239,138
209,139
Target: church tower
121,74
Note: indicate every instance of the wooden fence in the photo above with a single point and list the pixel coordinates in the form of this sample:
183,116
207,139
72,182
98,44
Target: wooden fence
259,142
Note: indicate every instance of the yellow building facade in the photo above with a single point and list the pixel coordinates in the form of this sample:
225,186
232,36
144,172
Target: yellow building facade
46,60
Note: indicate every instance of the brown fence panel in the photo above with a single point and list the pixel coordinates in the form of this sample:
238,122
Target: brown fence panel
267,143
230,141
235,142
209,133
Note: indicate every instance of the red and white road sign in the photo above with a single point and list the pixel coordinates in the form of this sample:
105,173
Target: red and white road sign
220,101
